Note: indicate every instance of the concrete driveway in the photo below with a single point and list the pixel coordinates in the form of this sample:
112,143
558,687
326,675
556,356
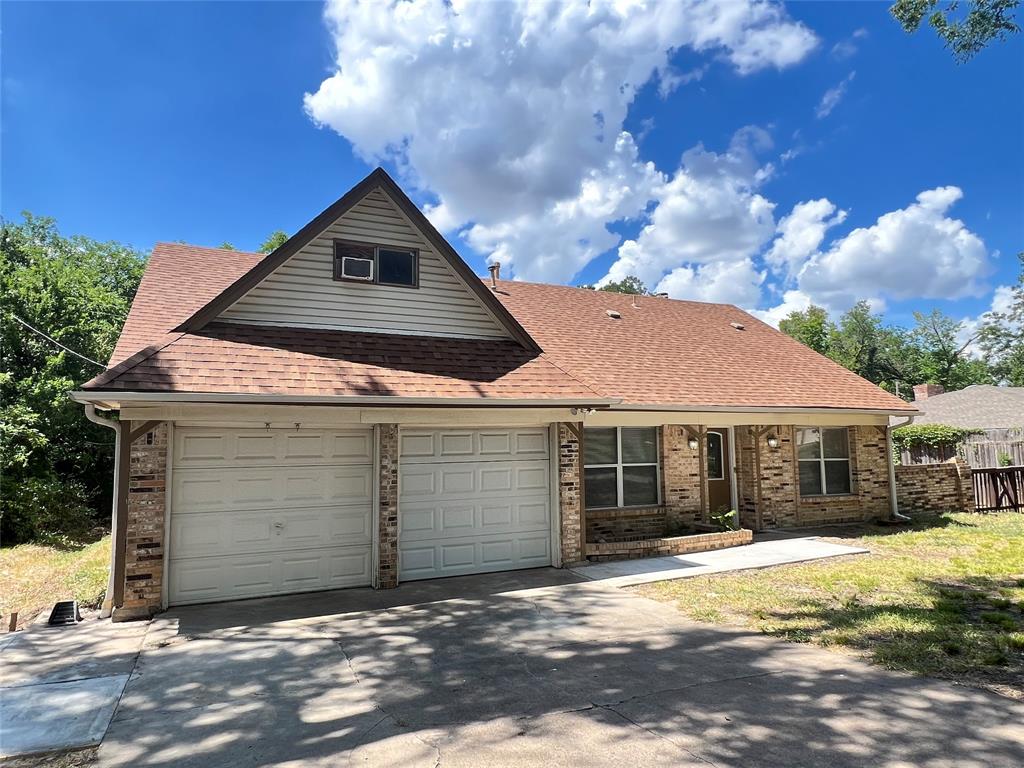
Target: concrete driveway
534,668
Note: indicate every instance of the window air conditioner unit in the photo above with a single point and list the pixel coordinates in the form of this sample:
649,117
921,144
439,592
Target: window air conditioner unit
355,268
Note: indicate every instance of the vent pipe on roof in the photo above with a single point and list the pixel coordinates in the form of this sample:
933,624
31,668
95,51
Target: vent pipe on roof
661,295
495,270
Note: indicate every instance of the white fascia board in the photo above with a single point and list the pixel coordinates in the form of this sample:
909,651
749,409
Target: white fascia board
116,399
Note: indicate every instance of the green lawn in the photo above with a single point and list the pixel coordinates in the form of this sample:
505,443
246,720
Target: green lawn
943,598
33,577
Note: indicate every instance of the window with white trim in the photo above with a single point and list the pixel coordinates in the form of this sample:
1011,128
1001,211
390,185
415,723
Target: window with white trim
620,467
824,458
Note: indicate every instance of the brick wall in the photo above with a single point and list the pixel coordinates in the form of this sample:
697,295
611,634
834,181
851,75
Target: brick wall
570,502
683,479
387,571
147,497
935,487
626,524
768,480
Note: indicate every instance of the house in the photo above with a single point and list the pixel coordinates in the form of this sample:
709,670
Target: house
996,412
359,408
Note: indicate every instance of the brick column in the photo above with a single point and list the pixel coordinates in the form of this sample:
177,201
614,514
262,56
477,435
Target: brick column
570,501
682,475
387,529
147,501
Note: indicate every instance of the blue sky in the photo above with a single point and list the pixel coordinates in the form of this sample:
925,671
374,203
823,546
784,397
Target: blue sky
187,121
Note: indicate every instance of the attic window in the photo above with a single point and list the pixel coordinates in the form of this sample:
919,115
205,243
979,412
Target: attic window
380,264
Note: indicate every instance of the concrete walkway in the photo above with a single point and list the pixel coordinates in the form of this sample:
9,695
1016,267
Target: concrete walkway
59,686
760,554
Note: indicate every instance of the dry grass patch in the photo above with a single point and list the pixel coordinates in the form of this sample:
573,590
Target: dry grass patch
34,576
944,598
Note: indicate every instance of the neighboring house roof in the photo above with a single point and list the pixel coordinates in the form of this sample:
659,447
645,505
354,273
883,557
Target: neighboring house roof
979,406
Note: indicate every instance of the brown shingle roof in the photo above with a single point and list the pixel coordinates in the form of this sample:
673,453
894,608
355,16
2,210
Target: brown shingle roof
664,351
179,279
245,359
660,352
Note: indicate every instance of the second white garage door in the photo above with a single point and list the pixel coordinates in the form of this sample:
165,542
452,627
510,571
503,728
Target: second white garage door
259,512
473,501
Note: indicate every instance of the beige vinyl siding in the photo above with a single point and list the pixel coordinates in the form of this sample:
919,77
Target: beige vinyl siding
302,291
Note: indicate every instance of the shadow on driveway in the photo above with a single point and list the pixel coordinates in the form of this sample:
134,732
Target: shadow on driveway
529,668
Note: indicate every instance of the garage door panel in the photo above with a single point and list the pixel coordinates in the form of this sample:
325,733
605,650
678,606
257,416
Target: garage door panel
201,490
257,512
423,522
471,480
198,580
218,447
460,445
474,554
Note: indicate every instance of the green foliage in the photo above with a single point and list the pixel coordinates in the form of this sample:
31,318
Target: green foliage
892,357
810,327
929,435
941,354
274,240
54,464
226,246
1004,459
726,519
964,34
629,284
1002,336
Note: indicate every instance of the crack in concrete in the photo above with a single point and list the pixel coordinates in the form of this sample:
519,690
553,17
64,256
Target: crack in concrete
654,733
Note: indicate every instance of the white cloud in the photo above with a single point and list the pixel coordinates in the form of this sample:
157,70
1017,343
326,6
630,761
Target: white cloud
708,212
721,282
792,301
801,233
511,113
848,47
917,251
830,100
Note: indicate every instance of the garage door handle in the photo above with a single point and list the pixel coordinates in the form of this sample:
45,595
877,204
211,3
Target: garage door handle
279,525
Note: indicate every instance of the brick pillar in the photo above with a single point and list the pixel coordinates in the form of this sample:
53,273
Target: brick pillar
147,497
387,531
570,501
682,475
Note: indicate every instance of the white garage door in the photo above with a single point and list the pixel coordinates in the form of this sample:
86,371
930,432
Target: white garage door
472,501
262,512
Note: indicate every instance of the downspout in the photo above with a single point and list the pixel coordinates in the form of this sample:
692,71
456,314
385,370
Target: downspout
894,506
90,413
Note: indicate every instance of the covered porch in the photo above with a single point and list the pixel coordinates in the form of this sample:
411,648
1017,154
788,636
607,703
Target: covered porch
661,483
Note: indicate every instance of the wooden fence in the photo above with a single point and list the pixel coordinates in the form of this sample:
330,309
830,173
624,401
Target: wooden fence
984,450
999,489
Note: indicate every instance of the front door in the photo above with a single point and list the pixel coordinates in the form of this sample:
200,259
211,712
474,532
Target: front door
719,463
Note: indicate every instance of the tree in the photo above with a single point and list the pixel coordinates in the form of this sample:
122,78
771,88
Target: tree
965,34
274,240
882,355
226,246
1001,337
942,353
629,284
54,464
810,327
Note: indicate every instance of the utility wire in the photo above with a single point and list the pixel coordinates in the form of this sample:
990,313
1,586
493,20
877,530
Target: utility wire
54,341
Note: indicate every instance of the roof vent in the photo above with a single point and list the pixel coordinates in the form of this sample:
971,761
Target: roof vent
495,270
661,295
738,326
614,314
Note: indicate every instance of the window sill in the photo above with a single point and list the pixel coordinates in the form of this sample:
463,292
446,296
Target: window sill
828,496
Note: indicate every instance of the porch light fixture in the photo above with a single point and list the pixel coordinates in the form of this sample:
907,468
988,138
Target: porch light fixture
773,441
693,443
